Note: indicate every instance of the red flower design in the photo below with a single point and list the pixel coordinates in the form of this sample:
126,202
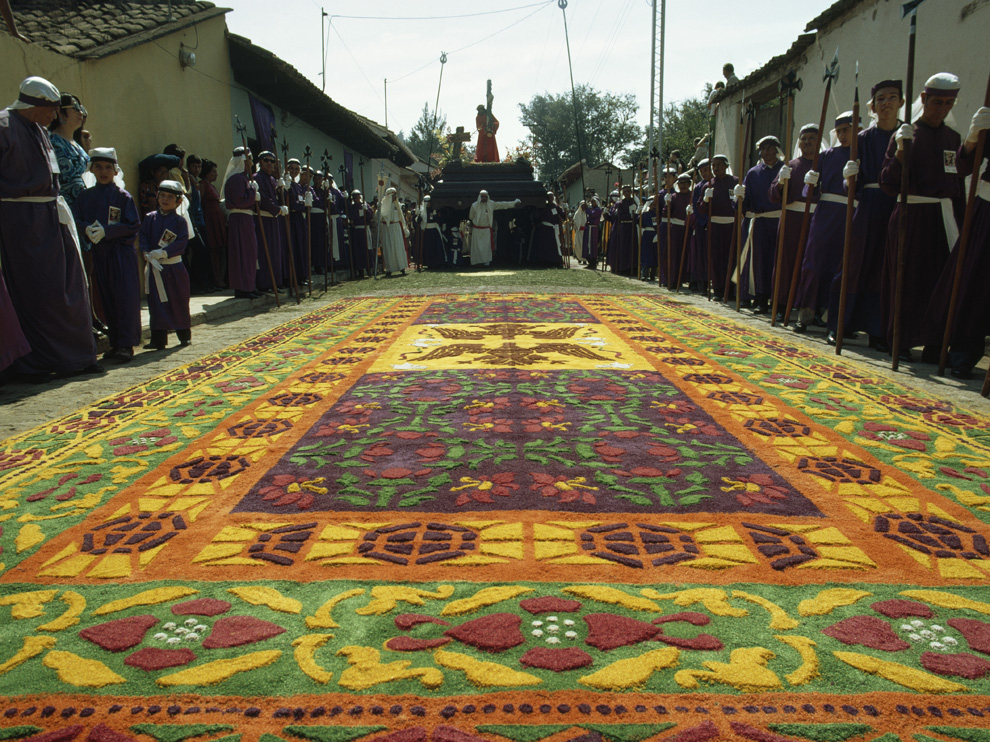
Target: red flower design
566,490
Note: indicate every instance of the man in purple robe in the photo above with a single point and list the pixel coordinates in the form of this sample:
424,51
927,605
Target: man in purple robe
796,170
163,239
337,204
296,190
971,324
721,210
826,234
318,217
698,250
359,217
759,250
934,193
544,245
14,343
270,209
676,209
39,253
622,241
240,194
106,214
591,235
434,243
870,221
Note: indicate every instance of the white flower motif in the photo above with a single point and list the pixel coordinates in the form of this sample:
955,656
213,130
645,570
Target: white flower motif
169,626
181,630
917,624
553,640
537,623
551,618
936,627
915,637
190,622
192,636
938,645
553,628
950,641
161,636
537,632
200,627
927,634
907,627
568,622
173,640
570,634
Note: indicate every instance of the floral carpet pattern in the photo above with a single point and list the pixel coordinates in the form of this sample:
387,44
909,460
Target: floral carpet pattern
518,518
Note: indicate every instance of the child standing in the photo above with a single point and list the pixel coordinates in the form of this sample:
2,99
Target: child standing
106,214
163,238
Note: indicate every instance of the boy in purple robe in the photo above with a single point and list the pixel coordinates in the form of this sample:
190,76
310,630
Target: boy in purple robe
337,205
270,209
934,194
41,261
622,242
719,194
796,171
106,214
240,194
298,195
698,250
359,216
759,250
676,210
826,234
163,239
971,323
318,215
591,234
870,222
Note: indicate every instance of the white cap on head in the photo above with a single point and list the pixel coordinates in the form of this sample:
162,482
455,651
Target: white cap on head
171,186
809,127
426,198
34,92
944,84
108,154
389,191
767,141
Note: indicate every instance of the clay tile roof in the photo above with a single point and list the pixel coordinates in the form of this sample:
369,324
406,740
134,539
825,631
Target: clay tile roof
90,29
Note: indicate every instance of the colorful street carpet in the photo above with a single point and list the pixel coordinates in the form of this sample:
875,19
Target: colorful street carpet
512,518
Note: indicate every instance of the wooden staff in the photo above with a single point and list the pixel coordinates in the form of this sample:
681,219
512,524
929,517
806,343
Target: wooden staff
831,75
963,241
420,228
850,210
740,217
288,228
708,237
684,247
307,153
257,213
787,86
911,9
328,242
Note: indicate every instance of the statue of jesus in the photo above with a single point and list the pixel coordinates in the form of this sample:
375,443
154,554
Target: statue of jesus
486,125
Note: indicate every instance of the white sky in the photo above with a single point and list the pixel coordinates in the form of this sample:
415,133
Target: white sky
521,48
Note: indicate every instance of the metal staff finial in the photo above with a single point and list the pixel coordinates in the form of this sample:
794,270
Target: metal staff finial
832,69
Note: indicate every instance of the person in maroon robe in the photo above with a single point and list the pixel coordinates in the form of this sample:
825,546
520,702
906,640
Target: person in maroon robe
319,215
108,217
215,232
359,217
622,242
760,241
163,239
934,195
487,126
39,252
271,208
719,191
240,196
796,171
697,263
679,203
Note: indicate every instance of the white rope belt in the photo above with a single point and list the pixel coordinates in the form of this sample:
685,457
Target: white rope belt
360,226
834,198
317,211
269,216
649,229
799,206
240,211
676,222
763,214
29,199
948,216
872,185
722,220
157,274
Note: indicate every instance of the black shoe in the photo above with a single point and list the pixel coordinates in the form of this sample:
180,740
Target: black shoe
185,343
93,368
152,346
254,295
879,343
41,378
110,354
962,372
830,338
123,355
905,355
930,354
241,294
800,327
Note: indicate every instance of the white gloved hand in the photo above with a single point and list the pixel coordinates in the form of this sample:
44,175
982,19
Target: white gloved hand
811,178
689,210
784,174
257,196
980,122
284,210
905,132
286,181
709,193
851,169
739,191
158,254
518,202
95,233
667,199
308,198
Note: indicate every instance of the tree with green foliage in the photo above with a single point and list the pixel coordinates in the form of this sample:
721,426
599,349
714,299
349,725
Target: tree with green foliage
607,129
683,122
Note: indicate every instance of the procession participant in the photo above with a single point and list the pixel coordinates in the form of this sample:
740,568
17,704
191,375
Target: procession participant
796,170
359,217
108,217
482,216
653,236
697,263
680,202
318,214
934,187
200,257
39,255
392,225
299,195
719,192
826,234
579,222
434,244
270,209
215,232
544,241
971,323
622,243
240,194
14,344
337,205
756,281
163,237
590,240
870,221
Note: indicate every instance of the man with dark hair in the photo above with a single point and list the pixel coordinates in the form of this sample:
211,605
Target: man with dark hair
729,73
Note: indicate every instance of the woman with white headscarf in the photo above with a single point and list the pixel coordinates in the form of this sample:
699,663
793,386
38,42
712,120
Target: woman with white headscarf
393,233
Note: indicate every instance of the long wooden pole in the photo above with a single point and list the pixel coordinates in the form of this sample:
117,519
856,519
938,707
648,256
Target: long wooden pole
850,210
285,196
684,247
963,242
736,248
257,212
783,217
895,345
809,199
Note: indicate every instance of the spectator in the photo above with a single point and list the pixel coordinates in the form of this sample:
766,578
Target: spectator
729,73
72,158
215,232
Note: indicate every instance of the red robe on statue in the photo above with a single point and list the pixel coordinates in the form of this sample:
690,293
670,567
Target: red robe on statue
487,150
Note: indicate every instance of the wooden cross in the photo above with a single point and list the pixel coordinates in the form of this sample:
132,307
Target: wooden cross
457,137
